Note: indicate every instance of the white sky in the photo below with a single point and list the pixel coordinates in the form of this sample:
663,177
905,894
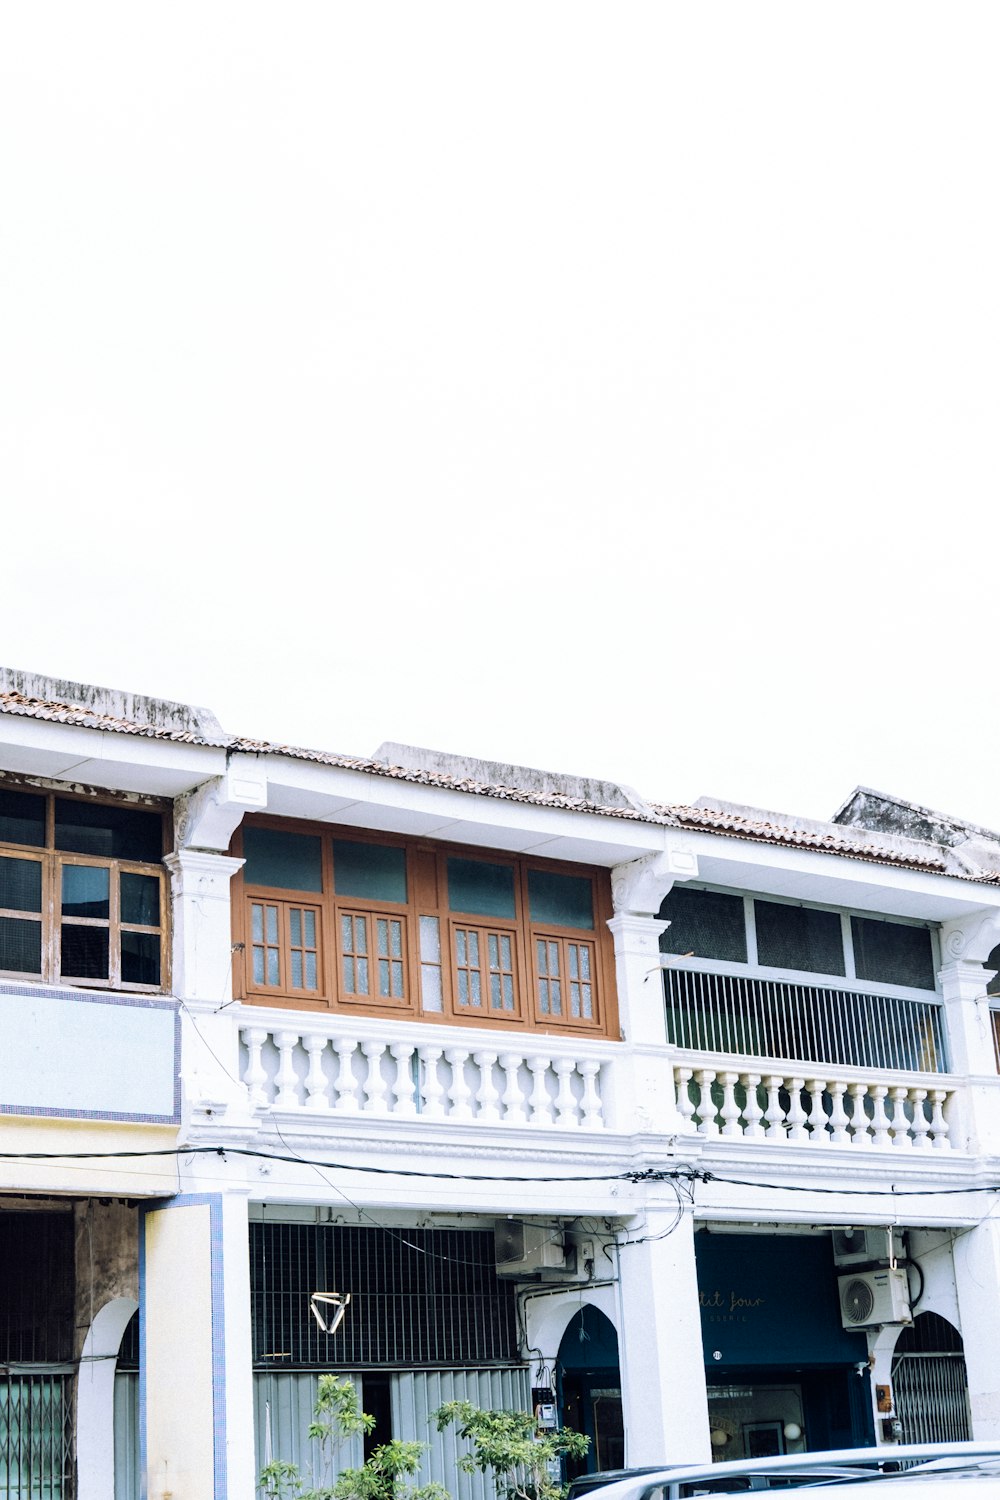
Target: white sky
612,388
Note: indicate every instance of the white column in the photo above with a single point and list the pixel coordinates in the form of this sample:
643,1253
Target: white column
203,980
662,1360
977,1276
195,1289
964,984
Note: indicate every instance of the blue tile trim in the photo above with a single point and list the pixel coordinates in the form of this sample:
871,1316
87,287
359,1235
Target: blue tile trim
103,997
191,1200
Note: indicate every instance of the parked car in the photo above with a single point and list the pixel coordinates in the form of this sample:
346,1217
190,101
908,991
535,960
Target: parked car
790,1471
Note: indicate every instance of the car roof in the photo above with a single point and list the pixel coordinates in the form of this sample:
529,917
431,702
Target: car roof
792,1463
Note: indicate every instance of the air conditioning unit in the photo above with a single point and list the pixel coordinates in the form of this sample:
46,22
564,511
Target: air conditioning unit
865,1247
871,1298
524,1250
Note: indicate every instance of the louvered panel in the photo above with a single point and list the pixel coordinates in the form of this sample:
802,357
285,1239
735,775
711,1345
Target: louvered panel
283,1409
416,1395
127,1472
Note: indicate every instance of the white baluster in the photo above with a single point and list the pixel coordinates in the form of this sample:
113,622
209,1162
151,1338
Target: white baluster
685,1104
403,1088
704,1078
921,1125
880,1120
541,1105
432,1088
838,1114
590,1104
939,1127
459,1094
514,1111
564,1068
286,1078
774,1114
859,1119
345,1083
255,1076
374,1084
316,1078
900,1125
818,1118
487,1094
752,1112
797,1116
730,1110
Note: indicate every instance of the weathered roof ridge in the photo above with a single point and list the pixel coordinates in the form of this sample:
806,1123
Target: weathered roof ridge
730,820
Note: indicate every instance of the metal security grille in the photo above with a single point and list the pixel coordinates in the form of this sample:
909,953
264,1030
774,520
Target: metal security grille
36,1287
931,1397
36,1437
419,1297
750,1017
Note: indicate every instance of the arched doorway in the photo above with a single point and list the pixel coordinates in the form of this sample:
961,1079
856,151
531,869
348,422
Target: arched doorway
590,1389
929,1382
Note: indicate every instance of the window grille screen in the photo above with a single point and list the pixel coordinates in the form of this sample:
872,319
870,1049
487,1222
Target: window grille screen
708,924
418,1297
798,937
36,1288
892,953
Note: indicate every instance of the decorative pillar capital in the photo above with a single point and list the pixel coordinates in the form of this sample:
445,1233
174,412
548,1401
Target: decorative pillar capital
639,887
208,817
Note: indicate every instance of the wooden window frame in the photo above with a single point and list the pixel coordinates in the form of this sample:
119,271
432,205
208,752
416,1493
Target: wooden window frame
52,861
427,897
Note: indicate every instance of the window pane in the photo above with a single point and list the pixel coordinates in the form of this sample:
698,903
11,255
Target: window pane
375,871
116,832
21,884
892,953
797,937
561,900
140,899
84,953
475,886
286,861
20,945
140,958
22,818
86,891
707,924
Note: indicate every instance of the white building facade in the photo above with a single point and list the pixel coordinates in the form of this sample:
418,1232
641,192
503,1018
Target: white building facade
687,1115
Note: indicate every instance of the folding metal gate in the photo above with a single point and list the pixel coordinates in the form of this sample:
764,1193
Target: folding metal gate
931,1393
36,1437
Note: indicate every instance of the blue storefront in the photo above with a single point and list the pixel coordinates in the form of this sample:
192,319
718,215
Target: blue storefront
783,1374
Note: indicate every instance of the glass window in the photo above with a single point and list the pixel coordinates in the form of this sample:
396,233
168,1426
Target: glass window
374,872
20,945
484,889
20,884
560,900
84,952
892,953
140,899
86,891
798,937
705,924
115,832
22,819
284,861
140,958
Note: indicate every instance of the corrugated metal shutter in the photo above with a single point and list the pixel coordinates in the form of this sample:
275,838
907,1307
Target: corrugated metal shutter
127,1474
283,1405
416,1395
932,1397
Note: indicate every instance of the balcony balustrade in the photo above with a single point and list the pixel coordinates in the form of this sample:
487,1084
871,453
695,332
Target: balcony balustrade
346,1066
831,1107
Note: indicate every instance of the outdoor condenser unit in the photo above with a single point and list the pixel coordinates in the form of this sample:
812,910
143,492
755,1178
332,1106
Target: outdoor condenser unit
522,1249
866,1247
870,1298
